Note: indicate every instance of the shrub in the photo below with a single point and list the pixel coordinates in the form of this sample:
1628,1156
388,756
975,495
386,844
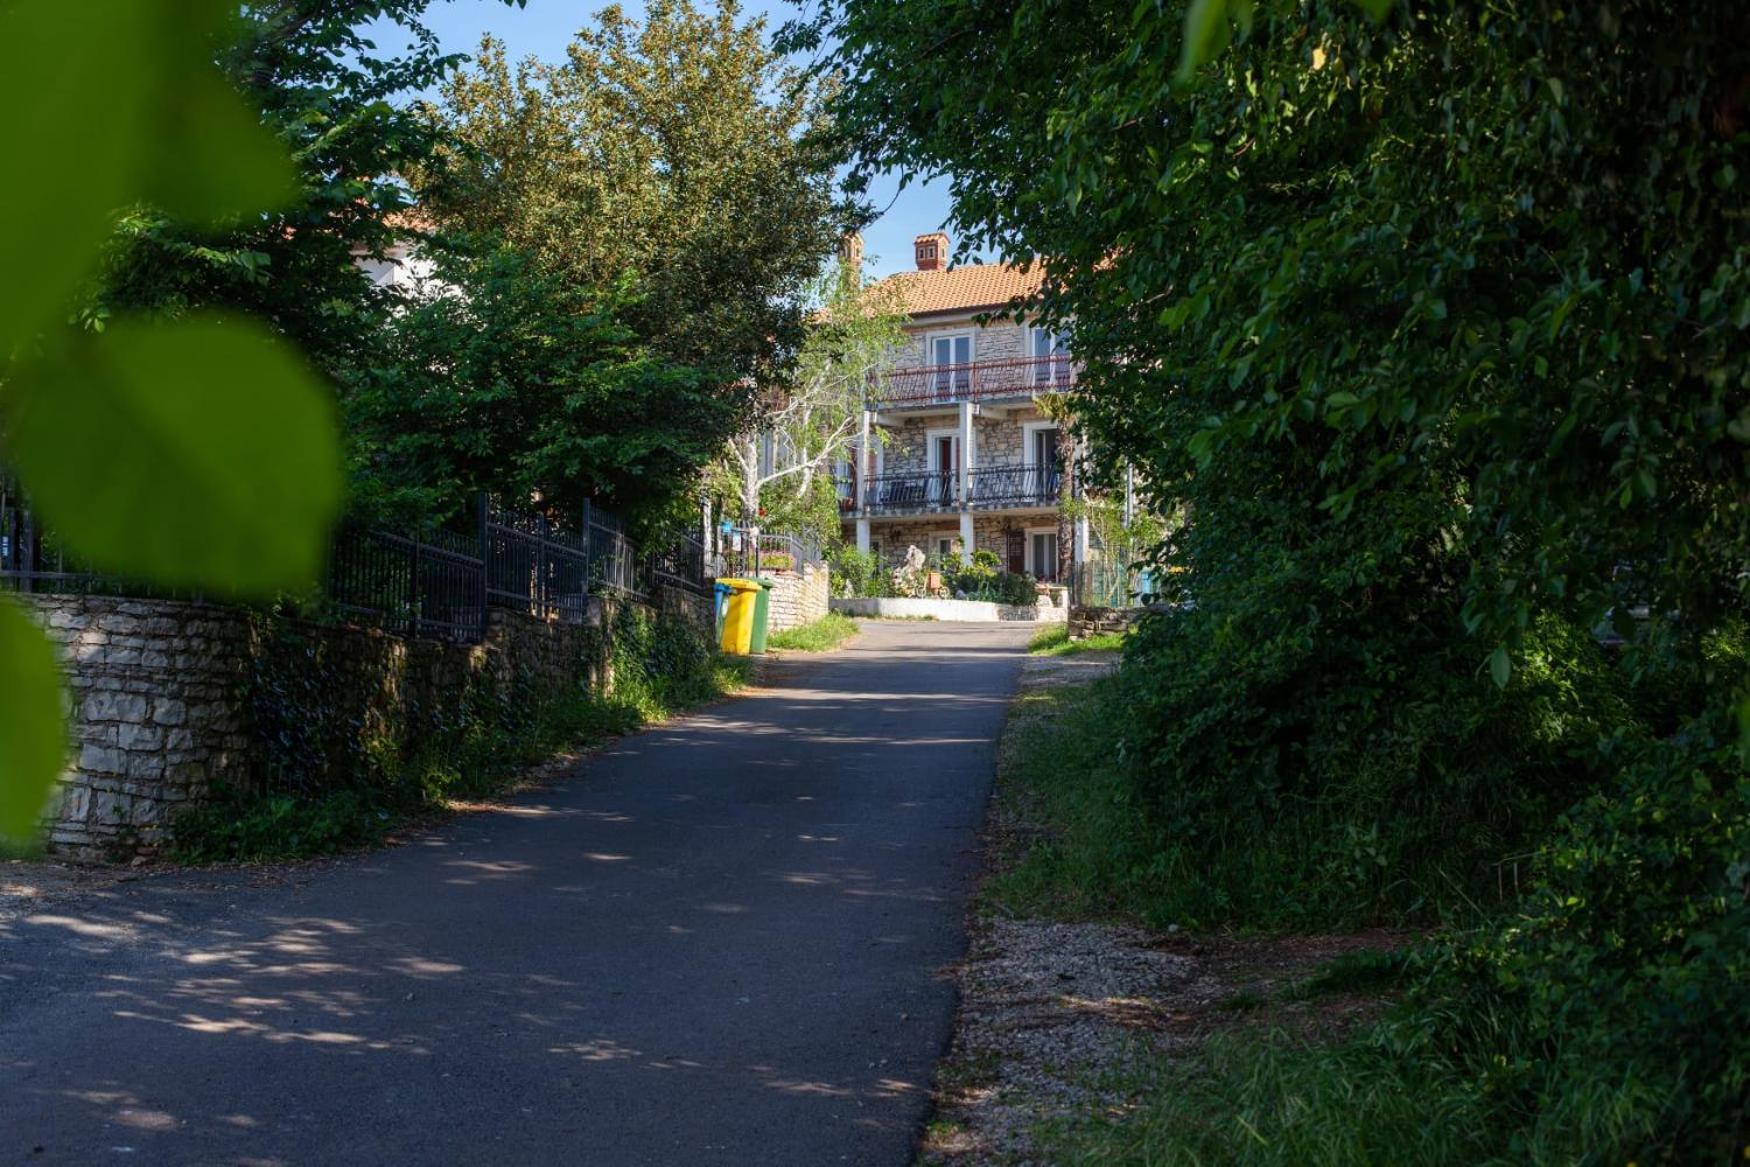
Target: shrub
1348,776
857,573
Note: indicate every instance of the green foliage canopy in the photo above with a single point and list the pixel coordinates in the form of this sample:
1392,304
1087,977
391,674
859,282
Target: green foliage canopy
679,151
507,377
1435,328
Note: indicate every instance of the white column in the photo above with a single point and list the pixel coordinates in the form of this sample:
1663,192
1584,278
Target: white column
863,534
1081,542
966,463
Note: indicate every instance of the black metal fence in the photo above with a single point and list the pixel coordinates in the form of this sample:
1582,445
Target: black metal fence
437,582
425,585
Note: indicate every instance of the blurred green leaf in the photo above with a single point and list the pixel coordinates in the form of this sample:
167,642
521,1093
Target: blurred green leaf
201,455
1500,666
109,103
1376,9
1207,33
33,732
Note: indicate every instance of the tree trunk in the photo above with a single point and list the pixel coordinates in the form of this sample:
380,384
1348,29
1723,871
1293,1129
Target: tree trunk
750,481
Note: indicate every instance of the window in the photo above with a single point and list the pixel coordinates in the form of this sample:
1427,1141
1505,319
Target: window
1042,554
944,467
1043,459
845,480
944,549
1050,356
875,549
951,356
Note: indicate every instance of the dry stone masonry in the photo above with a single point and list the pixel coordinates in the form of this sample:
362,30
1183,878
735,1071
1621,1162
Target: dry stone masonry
156,714
798,598
159,695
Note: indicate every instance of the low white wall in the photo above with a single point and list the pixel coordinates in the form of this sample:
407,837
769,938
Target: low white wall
968,611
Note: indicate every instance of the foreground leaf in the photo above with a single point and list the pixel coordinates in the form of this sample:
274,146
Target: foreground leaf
198,455
33,732
109,103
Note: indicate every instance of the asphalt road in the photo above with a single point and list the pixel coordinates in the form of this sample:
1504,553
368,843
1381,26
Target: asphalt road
721,941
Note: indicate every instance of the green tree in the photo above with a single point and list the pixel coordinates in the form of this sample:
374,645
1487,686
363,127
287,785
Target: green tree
338,106
131,435
1435,326
680,152
814,414
508,378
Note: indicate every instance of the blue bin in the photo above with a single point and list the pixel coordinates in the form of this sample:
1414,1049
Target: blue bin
721,593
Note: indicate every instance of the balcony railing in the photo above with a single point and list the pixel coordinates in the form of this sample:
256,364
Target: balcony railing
934,491
973,381
992,487
1015,486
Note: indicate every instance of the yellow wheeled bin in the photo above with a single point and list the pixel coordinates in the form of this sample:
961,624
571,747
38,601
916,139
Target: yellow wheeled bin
738,615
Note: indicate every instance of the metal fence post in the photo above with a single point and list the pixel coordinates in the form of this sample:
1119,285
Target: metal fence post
540,588
482,517
27,551
588,536
413,591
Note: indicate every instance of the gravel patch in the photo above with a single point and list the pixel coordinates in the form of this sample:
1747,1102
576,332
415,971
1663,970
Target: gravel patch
1058,1020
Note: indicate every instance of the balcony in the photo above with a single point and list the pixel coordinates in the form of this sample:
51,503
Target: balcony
993,487
973,381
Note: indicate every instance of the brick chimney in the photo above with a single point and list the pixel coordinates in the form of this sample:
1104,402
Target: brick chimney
932,251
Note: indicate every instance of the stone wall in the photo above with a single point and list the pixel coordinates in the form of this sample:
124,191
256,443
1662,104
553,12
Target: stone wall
156,714
161,707
1085,621
798,598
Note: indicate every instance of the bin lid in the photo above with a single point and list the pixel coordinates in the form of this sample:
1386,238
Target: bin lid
740,585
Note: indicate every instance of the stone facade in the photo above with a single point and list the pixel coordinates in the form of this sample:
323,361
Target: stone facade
160,704
1001,340
798,598
998,439
1000,532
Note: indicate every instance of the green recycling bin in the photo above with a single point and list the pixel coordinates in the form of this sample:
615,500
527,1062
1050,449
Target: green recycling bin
762,616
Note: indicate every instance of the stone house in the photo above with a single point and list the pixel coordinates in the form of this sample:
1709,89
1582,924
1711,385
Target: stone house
956,454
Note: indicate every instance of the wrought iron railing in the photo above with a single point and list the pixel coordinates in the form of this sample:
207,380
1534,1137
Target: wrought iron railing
992,486
973,381
424,585
749,552
915,491
1015,486
434,582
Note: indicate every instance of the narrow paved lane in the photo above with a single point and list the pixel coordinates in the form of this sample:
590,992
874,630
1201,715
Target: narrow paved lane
721,942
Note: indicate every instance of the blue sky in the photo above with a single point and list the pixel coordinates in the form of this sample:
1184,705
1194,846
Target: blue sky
544,27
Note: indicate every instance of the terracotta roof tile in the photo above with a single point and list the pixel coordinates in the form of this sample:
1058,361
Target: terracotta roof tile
963,289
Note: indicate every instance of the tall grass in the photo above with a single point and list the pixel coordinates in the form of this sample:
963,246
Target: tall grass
823,635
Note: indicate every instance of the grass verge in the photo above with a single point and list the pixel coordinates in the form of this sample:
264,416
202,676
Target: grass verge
824,635
1055,641
1248,1058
